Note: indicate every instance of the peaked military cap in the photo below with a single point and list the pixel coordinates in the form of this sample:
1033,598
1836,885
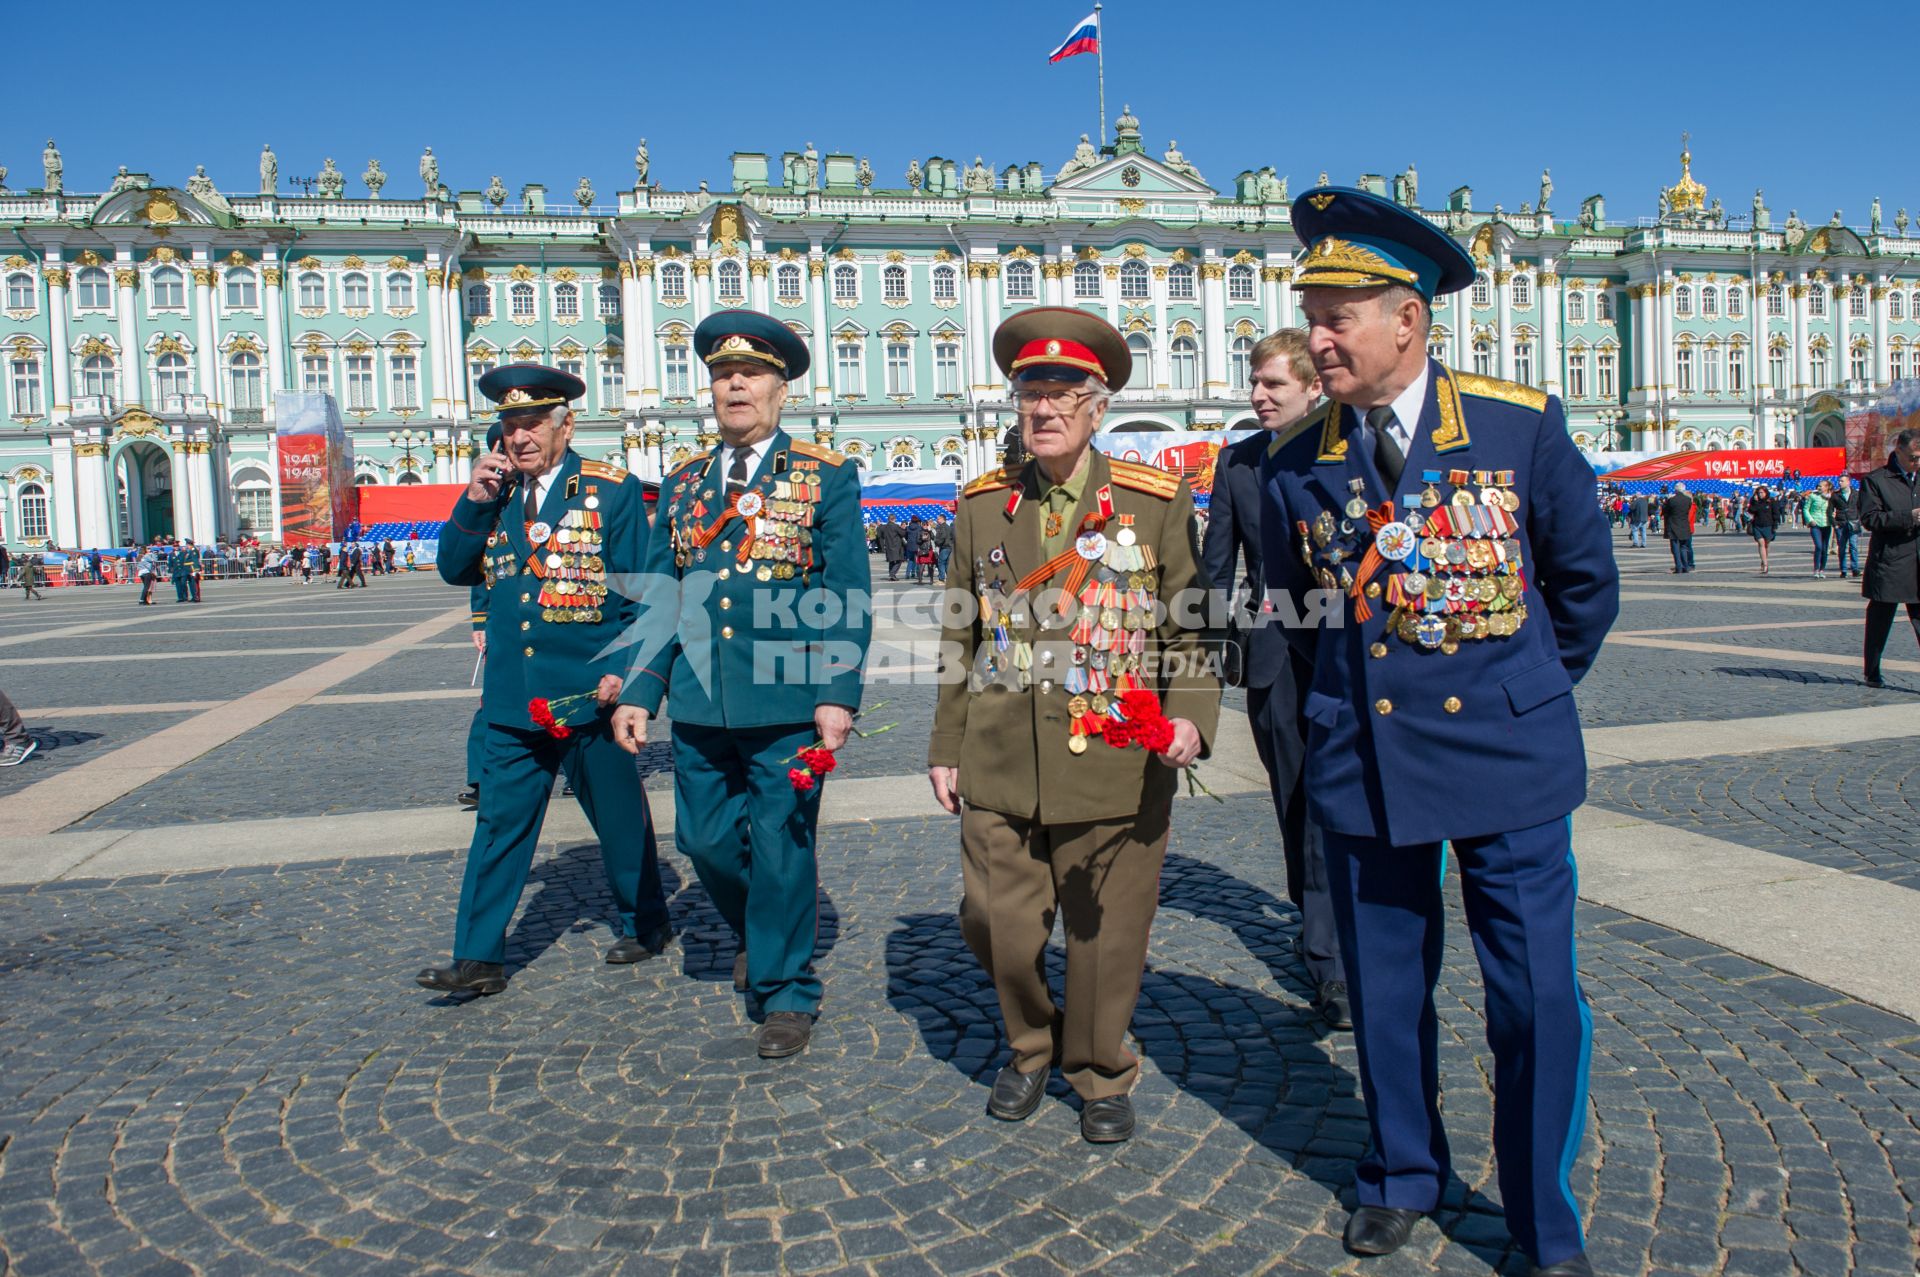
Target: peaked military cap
748,334
524,387
1061,343
1356,239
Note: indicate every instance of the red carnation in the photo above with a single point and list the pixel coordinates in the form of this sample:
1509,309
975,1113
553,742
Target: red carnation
559,731
1156,736
820,762
802,781
541,712
1119,735
1139,705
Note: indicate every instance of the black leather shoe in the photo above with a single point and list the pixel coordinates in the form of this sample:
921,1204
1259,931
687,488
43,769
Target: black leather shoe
470,796
1874,680
1016,1095
1331,1003
1379,1230
1108,1120
639,948
784,1033
740,972
464,976
1575,1267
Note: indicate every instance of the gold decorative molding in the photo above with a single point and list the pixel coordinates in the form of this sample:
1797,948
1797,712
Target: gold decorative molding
56,277
566,274
453,279
17,262
160,210
1244,258
1134,250
93,346
702,267
126,277
238,258
1159,272
844,255
1089,254
1548,279
164,253
816,269
1111,272
270,276
1212,270
169,346
89,258
522,273
203,276
1501,275
89,450
309,262
436,277
353,261
758,268
242,346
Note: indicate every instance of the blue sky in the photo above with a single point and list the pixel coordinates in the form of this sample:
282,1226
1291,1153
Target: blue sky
1485,95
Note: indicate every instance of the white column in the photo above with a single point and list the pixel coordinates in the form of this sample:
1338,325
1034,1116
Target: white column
1287,317
1548,283
977,332
1840,362
442,457
649,350
635,341
1162,337
1269,297
62,495
181,475
757,273
59,358
132,358
456,345
1757,298
205,526
1050,274
822,339
89,499
1503,321
1879,296
439,353
638,460
702,268
276,361
1802,322
207,337
1668,374
1213,326
273,476
991,286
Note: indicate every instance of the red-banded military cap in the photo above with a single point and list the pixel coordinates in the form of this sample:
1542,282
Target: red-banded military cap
1061,343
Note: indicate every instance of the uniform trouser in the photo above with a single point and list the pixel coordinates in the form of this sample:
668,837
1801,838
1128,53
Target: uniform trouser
12,730
1103,879
180,589
1880,627
1519,890
750,836
476,743
194,582
520,767
1274,714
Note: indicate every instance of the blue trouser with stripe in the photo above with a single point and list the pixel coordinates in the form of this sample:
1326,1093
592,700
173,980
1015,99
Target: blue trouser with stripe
1519,890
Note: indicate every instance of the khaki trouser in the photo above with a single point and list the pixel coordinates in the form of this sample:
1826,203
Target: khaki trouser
1104,881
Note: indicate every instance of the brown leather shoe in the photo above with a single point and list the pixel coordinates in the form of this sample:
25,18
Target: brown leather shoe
783,1034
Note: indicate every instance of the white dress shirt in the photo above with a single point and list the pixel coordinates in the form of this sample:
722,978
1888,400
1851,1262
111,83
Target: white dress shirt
539,486
1406,411
753,452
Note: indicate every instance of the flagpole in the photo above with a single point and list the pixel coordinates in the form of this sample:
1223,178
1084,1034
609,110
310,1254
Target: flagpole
1100,52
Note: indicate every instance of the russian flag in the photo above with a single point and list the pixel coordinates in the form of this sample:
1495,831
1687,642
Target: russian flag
1084,39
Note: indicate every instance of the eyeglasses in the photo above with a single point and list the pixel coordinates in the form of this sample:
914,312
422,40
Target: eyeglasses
1062,400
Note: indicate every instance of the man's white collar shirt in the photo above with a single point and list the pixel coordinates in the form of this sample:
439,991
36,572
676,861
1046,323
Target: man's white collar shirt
753,452
1406,411
538,487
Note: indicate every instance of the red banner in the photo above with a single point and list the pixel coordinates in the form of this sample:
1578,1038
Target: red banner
317,497
1756,465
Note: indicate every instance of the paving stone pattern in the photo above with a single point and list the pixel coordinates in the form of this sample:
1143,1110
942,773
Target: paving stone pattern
233,1073
69,741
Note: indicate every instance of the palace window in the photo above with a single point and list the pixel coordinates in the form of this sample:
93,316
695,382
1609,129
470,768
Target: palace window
674,360
479,301
312,288
1483,357
1142,354
1710,368
1577,374
403,381
253,502
904,461
1604,364
1180,283
613,383
1776,301
1239,364
1896,305
899,368
520,301
33,512
946,368
400,290
673,282
566,301
360,393
316,374
1522,291
1817,301
1737,370
93,289
1437,347
1020,287
27,400
729,282
243,289
573,368
945,284
1897,363
1857,364
951,461
893,284
848,377
1133,281
1777,367
355,293
1709,300
97,377
609,301
1086,281
846,282
478,367
1576,306
170,376
1683,301
1736,302
1683,370
1857,303
1240,284
1185,366
786,282
243,376
1523,360
1817,363
1482,290
20,292
167,289
1603,302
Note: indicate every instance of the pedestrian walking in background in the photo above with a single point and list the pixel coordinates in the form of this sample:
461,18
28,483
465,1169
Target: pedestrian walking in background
942,546
1890,512
1677,513
1764,512
148,571
27,574
6,566
893,544
1844,514
1637,515
15,745
1818,528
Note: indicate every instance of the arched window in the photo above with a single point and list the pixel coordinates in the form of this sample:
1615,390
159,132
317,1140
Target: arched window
243,375
253,502
1777,367
1737,369
679,383
1736,302
566,301
400,290
729,281
1180,282
170,376
673,281
1603,306
1133,281
952,461
20,292
312,286
1897,363
1185,367
1437,344
1522,291
1482,290
1817,364
1240,283
33,512
97,377
520,298
609,301
1239,363
1086,281
243,289
1710,369
1576,374
1709,300
1857,364
786,282
479,364
613,382
1142,352
893,284
479,301
846,282
946,367
1776,301
1683,300
1683,370
1896,305
904,461
946,286
1576,306
168,289
409,477
1483,357
1857,302
1020,276
93,289
355,293
1817,301
1523,359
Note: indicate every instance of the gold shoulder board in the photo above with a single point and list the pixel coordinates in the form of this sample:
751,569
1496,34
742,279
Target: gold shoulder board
814,450
988,482
1148,479
602,470
1505,391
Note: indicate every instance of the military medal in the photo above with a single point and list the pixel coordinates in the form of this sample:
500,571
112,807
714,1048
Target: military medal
1090,545
539,532
1394,541
749,504
1357,506
1323,528
1054,523
1125,536
592,502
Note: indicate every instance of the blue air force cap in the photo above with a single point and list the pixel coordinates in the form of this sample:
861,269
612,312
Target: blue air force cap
1356,239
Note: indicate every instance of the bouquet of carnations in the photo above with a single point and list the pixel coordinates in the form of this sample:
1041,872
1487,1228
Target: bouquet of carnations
1139,720
817,761
551,715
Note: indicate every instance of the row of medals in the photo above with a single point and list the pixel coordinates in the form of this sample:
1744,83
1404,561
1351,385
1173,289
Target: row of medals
782,530
1108,630
575,584
1461,558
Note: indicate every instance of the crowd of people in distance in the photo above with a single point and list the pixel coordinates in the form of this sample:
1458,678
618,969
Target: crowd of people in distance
1827,509
349,562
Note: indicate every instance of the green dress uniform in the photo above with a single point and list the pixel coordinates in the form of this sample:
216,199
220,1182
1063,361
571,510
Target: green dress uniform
181,570
769,622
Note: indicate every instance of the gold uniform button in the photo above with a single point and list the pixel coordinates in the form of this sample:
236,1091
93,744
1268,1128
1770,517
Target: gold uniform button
1373,589
723,574
529,651
1451,705
726,545
726,631
725,603
1383,706
526,625
526,598
1377,651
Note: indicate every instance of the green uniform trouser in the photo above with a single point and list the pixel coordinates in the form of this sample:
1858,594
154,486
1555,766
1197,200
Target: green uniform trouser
750,837
180,586
476,742
519,768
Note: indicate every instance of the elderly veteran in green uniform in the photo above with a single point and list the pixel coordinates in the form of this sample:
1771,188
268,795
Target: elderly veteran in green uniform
1072,696
757,654
555,532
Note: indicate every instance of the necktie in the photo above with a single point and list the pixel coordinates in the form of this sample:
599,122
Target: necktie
533,499
737,473
1386,453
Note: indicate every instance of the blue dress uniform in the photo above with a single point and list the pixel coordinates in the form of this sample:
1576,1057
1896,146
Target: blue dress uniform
552,627
770,622
1468,599
180,569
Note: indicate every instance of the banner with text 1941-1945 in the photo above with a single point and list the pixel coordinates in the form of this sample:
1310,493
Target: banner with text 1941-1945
317,497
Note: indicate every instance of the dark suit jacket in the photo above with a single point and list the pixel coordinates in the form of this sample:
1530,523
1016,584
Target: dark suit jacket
1233,533
1887,500
1676,516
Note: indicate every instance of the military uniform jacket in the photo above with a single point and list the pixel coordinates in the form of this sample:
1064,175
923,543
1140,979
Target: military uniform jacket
1442,698
1010,729
185,565
553,618
764,613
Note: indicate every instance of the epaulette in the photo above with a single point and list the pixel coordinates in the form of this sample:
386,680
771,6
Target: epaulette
991,480
1309,422
814,450
687,465
1505,391
1151,480
602,470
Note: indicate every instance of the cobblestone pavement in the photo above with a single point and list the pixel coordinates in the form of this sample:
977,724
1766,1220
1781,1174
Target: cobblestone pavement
233,1073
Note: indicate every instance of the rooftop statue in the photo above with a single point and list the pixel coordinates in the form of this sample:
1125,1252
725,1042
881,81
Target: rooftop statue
269,170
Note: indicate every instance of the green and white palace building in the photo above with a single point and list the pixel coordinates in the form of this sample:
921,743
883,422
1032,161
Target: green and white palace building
146,330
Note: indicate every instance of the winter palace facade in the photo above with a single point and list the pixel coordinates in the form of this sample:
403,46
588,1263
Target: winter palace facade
146,330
